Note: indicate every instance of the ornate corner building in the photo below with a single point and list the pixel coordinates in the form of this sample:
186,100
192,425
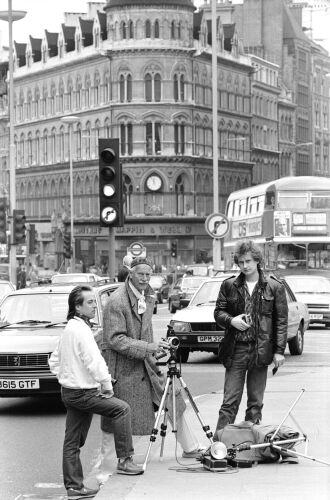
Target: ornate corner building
139,70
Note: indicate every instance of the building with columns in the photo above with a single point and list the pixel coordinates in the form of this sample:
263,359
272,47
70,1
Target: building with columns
139,70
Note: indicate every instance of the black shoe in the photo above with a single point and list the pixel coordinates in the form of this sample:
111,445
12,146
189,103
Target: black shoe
75,494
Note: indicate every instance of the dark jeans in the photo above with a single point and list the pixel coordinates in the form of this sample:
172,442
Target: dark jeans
243,365
80,405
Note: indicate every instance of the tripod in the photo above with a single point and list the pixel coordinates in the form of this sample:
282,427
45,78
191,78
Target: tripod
172,373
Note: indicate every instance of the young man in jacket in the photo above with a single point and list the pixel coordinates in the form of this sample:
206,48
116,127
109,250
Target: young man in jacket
87,389
254,312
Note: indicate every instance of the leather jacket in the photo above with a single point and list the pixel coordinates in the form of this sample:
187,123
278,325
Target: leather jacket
271,317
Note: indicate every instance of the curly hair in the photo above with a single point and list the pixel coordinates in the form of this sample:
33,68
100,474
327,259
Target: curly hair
245,246
76,298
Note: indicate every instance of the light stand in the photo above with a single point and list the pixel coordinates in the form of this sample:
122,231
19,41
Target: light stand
172,373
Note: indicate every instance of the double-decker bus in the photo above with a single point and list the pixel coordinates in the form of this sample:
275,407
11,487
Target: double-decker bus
288,218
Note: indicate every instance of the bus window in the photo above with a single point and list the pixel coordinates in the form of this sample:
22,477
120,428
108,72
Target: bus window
261,204
253,205
320,200
291,256
236,208
270,199
230,209
292,201
319,256
242,207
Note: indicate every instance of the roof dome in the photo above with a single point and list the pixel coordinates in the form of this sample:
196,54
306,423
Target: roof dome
112,4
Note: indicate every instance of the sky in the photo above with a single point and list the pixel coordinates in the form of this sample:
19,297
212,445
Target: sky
48,14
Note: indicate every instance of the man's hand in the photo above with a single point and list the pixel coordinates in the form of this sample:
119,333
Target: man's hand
105,393
239,323
158,347
278,360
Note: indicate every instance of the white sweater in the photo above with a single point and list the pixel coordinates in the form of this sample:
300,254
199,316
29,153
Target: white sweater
77,361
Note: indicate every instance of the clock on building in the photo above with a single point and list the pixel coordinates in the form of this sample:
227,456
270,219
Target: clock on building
154,182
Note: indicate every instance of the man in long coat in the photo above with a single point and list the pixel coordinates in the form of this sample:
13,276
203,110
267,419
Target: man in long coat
130,351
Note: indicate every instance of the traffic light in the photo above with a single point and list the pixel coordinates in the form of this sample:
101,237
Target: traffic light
3,220
110,184
174,249
19,228
32,239
67,245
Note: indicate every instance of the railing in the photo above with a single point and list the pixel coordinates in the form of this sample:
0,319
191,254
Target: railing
135,205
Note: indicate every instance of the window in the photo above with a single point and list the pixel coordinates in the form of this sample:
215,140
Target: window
153,138
45,147
123,30
148,29
131,29
29,149
53,146
178,87
126,139
152,87
125,88
156,29
128,190
88,140
173,30
179,138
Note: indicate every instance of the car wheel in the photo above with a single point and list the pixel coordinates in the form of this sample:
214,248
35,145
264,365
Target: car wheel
183,354
296,345
171,307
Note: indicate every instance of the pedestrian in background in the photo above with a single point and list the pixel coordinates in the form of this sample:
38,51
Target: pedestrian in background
124,270
130,350
87,389
254,312
20,277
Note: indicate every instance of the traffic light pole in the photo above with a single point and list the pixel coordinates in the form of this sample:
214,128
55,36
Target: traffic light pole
112,254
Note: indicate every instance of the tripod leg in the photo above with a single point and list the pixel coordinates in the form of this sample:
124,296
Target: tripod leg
206,428
155,429
296,454
163,429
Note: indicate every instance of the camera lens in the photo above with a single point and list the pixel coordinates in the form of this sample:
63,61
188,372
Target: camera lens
173,341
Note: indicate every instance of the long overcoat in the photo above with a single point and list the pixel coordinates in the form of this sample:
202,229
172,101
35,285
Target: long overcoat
126,335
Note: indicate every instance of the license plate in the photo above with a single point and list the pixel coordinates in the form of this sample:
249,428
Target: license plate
316,316
31,383
209,338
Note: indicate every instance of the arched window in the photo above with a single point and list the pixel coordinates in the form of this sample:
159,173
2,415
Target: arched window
28,104
61,144
178,87
126,139
52,99
36,102
37,147
61,97
97,81
128,190
88,139
87,91
148,87
123,30
122,88
53,145
131,29
158,81
70,95
173,30
153,138
78,141
78,92
45,147
179,138
148,28
179,31
180,195
107,132
125,88
156,29
29,149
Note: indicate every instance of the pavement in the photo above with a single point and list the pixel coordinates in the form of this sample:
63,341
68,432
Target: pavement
186,479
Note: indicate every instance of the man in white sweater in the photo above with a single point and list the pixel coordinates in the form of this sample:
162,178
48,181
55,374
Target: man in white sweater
87,389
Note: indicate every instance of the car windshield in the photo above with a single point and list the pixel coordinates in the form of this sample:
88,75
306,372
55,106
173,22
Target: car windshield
304,284
69,278
50,307
207,294
191,282
4,289
199,270
156,281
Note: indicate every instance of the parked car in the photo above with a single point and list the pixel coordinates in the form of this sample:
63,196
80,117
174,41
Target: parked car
5,288
197,330
182,291
76,278
314,291
159,284
31,321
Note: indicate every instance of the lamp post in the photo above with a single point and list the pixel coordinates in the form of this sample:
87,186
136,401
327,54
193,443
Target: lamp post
70,120
11,16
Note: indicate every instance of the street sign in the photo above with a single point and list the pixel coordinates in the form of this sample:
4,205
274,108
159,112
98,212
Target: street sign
217,225
137,249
